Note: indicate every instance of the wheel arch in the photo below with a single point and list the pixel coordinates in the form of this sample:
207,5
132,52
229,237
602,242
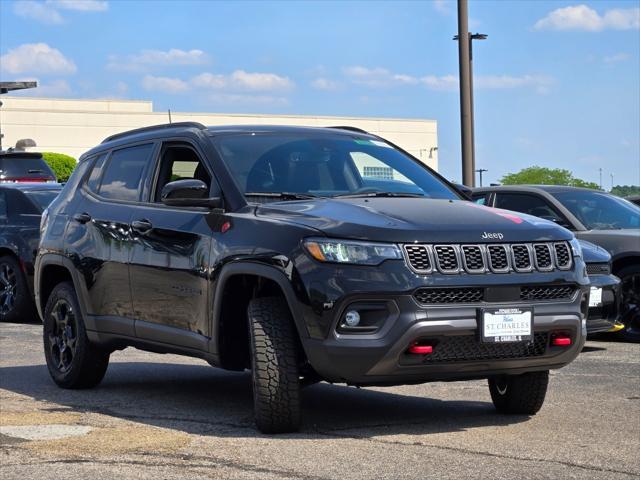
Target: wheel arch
52,269
625,260
246,280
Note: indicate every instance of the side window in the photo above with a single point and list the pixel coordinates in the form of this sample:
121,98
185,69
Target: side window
122,176
480,199
180,162
93,182
4,212
529,204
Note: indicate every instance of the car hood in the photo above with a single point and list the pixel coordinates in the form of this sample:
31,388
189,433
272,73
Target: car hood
617,242
413,220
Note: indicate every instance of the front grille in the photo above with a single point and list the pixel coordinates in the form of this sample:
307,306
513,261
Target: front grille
497,258
473,258
468,348
563,256
549,292
521,257
431,296
598,269
419,257
446,258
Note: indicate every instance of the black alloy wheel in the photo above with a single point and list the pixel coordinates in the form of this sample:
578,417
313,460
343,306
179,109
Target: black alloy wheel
63,335
630,314
8,288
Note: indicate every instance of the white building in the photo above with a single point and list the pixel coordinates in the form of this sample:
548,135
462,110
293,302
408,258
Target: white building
73,126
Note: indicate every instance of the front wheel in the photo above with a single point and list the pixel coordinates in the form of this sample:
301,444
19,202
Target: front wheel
72,360
15,300
274,366
519,394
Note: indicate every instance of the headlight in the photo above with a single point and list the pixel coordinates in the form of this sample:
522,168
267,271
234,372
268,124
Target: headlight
576,248
347,251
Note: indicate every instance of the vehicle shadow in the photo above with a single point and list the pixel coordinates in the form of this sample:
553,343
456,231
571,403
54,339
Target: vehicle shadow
591,348
206,401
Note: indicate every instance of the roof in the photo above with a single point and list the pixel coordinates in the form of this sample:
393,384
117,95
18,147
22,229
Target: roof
19,154
32,186
284,129
533,188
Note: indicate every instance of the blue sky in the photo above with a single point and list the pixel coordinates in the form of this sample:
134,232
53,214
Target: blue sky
557,83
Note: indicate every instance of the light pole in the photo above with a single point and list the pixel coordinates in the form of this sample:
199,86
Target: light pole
481,171
611,181
600,169
465,58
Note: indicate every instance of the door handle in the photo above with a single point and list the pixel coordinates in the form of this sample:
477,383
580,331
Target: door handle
82,217
141,226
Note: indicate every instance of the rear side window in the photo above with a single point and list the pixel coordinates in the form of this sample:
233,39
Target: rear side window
529,204
480,199
93,183
122,177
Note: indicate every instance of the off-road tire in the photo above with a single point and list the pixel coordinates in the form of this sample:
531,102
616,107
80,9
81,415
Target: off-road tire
22,307
88,364
519,394
274,366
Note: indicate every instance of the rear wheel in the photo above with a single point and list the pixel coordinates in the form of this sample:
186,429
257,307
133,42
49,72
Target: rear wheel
630,305
73,361
274,366
519,394
15,299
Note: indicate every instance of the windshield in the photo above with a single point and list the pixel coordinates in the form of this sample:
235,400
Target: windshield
325,165
42,198
600,211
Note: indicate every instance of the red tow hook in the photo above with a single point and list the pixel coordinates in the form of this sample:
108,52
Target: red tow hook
420,349
560,341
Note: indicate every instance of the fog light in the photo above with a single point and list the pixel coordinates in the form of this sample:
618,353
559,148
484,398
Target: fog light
352,318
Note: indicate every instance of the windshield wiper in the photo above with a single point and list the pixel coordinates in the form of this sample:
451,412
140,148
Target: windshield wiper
282,195
380,194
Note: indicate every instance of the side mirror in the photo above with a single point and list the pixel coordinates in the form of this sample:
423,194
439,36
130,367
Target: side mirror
188,193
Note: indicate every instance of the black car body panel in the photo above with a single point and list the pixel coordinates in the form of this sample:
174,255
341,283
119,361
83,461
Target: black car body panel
178,279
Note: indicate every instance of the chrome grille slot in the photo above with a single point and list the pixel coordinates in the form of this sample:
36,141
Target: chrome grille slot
562,255
498,258
473,258
419,257
446,258
543,259
521,257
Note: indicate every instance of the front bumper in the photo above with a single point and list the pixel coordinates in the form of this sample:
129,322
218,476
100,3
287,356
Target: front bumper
602,318
382,358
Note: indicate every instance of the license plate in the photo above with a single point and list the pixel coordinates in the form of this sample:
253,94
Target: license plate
505,325
595,298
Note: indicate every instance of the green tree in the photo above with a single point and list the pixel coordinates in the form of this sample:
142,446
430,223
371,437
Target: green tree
545,176
626,190
61,164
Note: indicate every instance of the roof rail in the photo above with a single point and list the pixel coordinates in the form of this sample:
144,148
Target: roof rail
352,129
155,127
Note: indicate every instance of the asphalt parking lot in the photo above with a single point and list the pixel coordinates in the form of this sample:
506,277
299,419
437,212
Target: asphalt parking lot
169,417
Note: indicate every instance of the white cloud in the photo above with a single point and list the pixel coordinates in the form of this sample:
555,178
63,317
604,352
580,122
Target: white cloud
148,59
444,82
38,11
582,17
616,57
443,6
377,77
80,5
241,99
540,83
236,82
322,83
36,58
260,81
164,84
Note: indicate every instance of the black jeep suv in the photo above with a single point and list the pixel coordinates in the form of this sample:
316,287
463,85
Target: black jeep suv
302,254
